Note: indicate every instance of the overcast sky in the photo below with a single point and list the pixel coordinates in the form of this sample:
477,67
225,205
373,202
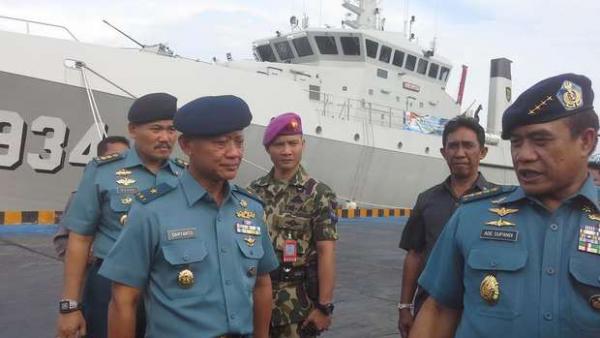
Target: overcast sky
541,37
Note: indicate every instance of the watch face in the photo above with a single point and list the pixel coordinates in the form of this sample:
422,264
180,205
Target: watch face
63,305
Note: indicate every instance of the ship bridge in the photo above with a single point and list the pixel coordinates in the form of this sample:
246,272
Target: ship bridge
391,53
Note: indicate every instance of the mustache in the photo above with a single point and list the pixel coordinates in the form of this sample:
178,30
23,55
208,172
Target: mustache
163,144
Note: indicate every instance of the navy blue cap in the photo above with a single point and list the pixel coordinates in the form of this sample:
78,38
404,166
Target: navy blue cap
212,116
153,107
548,100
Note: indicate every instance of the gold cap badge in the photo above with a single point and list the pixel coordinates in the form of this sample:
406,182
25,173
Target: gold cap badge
185,279
490,289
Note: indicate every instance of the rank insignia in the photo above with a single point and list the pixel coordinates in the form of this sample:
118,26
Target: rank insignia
503,211
123,172
185,278
570,96
490,289
123,219
250,241
589,239
594,217
595,302
125,181
126,200
243,203
500,223
246,214
540,105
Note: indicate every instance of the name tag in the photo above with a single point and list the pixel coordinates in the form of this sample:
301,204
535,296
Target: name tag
246,229
176,234
500,235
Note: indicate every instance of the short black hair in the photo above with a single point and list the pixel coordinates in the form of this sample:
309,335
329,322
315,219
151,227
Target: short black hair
103,145
581,121
462,121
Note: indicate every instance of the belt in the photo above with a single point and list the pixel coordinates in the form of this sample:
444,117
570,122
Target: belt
235,335
288,274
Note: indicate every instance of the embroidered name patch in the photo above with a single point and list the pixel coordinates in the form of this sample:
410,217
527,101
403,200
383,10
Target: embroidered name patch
500,235
176,234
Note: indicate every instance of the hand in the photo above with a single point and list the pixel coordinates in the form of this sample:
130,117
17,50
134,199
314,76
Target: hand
321,321
70,325
405,322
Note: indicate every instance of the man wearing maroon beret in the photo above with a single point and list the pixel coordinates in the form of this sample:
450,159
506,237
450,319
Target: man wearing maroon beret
300,213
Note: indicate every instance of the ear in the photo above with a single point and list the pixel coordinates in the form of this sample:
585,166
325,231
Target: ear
184,144
483,153
589,139
443,152
131,128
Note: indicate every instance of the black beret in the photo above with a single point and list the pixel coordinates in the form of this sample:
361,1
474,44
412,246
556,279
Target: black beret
153,107
548,100
212,115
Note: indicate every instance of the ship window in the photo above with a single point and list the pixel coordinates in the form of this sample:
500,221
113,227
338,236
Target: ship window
433,71
398,58
411,62
371,48
444,74
266,53
284,50
422,66
302,46
314,92
326,45
382,73
385,54
350,45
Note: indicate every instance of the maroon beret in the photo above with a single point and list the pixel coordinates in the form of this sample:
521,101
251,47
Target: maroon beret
284,124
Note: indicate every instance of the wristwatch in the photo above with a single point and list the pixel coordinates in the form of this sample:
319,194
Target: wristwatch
68,306
326,309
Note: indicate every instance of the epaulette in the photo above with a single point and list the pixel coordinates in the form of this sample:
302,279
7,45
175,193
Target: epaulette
247,193
153,193
180,163
487,193
100,160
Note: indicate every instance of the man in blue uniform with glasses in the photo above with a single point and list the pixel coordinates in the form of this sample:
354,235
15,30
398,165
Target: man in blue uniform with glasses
524,262
197,249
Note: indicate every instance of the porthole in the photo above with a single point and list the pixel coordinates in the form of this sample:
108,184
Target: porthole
400,145
319,130
356,137
426,150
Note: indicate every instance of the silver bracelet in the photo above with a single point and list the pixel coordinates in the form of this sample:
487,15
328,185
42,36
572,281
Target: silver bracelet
402,306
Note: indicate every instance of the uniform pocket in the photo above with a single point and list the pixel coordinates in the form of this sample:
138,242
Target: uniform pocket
505,265
183,255
584,269
252,251
288,226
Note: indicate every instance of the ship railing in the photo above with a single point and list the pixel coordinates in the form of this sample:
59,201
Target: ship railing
351,109
28,24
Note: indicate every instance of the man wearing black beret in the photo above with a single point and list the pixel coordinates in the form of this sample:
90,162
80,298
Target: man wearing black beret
524,261
197,249
99,211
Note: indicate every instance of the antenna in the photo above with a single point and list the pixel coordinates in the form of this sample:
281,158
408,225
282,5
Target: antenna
124,34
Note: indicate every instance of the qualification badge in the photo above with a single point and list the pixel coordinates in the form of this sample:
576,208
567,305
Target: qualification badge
123,172
126,200
125,181
490,289
250,241
589,239
501,212
185,279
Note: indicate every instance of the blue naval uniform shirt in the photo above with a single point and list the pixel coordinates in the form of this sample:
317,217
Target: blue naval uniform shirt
185,229
106,192
545,281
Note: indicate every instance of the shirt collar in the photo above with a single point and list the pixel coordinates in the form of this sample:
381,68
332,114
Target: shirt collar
194,191
587,191
133,159
480,183
299,179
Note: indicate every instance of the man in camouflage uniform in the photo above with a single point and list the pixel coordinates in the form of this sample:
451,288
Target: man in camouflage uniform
300,213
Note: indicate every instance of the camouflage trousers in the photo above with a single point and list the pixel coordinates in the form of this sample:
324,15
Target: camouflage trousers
286,331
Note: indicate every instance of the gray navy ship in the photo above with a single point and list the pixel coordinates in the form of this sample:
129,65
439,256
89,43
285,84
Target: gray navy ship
373,105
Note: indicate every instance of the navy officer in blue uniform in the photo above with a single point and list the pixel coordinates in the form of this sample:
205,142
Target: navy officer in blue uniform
197,249
524,262
100,206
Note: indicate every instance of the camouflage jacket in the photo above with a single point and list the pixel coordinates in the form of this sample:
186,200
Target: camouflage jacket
302,209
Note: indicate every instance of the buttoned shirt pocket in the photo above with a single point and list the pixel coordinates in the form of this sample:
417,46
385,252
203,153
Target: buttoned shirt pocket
252,251
506,265
584,269
120,203
296,227
181,255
